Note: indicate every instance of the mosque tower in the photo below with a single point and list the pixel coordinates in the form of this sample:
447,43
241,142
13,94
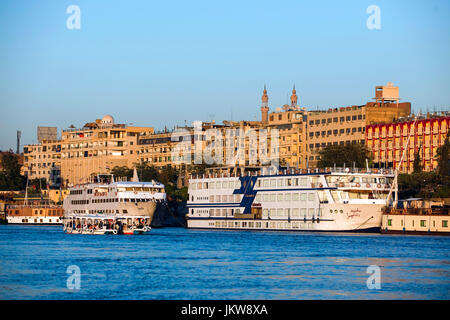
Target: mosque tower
294,98
265,107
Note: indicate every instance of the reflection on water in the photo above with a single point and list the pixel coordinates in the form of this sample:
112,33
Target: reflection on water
189,264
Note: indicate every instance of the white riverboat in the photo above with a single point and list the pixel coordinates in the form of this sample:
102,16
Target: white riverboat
109,207
339,199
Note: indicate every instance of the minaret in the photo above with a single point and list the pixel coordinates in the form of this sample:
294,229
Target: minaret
294,97
265,107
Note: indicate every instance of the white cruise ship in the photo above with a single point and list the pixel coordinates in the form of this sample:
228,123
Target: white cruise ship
108,207
292,200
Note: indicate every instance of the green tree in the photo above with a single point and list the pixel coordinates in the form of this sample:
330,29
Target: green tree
10,177
122,171
344,154
443,157
423,185
417,164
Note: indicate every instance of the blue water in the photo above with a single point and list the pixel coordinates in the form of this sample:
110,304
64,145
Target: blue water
176,263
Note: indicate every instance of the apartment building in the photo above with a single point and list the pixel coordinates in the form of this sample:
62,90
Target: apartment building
41,159
347,125
388,141
97,148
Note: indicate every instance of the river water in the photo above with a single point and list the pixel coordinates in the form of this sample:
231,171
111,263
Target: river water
177,263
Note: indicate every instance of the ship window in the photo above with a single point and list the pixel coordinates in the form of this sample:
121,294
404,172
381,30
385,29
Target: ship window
445,223
280,212
422,223
272,197
273,182
289,182
295,196
303,212
389,222
322,197
279,197
287,197
272,212
295,212
303,196
335,196
258,197
237,198
311,212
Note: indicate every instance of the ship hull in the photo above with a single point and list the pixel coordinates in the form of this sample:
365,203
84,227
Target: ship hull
335,218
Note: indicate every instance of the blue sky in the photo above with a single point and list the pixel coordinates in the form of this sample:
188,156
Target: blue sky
160,63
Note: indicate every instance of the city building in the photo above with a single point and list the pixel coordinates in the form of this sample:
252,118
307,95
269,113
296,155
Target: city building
290,121
388,141
347,125
290,136
98,147
41,159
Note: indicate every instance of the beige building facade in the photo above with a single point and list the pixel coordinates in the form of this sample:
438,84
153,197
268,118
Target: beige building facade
98,147
40,159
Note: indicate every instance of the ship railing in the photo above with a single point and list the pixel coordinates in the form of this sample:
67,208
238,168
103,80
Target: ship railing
293,171
34,206
417,211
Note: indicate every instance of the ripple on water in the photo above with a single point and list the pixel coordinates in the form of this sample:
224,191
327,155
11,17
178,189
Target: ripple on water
178,263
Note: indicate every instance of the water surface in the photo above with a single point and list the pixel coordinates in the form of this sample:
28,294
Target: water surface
177,263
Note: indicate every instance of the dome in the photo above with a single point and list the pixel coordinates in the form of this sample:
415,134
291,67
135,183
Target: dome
108,119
